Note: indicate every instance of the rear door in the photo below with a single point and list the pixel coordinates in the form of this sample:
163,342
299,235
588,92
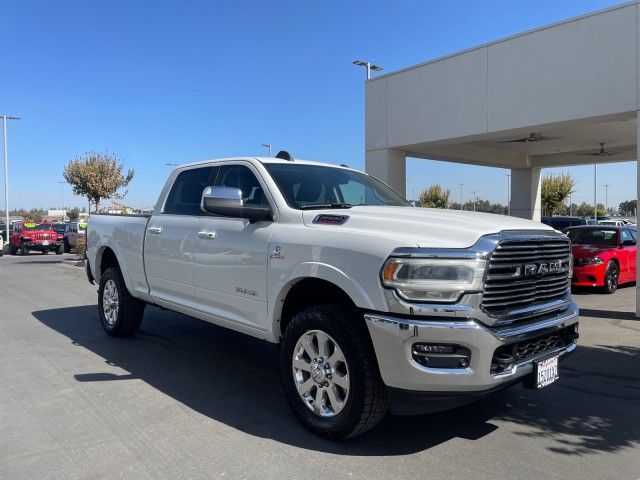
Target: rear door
170,238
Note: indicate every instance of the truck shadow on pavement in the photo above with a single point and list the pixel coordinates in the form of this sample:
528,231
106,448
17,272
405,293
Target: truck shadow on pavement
233,378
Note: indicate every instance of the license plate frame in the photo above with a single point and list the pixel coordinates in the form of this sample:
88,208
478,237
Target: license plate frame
546,371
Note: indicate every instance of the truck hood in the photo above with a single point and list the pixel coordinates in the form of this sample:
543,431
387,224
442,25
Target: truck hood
424,227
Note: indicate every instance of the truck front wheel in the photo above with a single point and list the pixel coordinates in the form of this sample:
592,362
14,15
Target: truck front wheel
329,373
120,312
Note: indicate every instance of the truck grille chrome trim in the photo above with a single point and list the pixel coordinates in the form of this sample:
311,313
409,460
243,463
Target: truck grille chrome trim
526,273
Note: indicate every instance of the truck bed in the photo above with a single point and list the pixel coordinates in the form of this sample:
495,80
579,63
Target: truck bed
125,235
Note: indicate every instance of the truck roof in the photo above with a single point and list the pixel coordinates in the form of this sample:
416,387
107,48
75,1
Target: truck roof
266,160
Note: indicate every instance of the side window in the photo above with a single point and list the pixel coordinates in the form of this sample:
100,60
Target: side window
634,234
186,192
239,176
626,235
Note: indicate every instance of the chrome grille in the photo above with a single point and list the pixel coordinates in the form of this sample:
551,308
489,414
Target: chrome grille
509,285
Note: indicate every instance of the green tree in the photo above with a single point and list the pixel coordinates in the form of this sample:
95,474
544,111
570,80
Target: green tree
627,208
586,210
73,214
435,197
97,176
555,190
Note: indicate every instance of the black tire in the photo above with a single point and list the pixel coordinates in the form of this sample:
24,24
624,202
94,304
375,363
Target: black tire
67,247
366,402
24,250
59,249
611,277
130,310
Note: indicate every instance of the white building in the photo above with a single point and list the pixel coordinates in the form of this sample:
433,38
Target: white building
574,83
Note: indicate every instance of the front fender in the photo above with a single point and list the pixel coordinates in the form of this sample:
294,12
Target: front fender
323,271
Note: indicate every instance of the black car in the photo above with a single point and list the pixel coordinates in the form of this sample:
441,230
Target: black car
562,222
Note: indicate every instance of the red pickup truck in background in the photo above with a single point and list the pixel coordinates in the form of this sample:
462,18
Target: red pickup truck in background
39,236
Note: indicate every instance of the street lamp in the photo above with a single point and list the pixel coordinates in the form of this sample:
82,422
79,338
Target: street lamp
62,182
595,193
268,147
6,170
474,200
368,66
606,197
461,185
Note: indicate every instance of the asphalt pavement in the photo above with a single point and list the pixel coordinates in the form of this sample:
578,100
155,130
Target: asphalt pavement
187,399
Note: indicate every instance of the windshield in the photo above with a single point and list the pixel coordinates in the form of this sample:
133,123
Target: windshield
317,186
36,226
593,236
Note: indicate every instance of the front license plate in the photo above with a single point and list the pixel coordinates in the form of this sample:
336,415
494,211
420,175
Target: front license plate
46,242
546,372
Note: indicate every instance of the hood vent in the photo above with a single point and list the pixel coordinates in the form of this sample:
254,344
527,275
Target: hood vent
331,219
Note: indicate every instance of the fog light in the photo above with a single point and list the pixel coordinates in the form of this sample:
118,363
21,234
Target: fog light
435,355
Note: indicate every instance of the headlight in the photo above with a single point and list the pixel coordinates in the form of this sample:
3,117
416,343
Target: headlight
587,261
432,279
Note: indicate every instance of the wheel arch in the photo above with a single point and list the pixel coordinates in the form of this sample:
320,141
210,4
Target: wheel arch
108,257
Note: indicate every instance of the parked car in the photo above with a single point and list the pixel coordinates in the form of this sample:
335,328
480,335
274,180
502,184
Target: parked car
375,304
612,223
562,222
73,231
603,256
41,236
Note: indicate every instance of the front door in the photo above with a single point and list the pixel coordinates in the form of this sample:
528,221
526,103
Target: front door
170,239
231,256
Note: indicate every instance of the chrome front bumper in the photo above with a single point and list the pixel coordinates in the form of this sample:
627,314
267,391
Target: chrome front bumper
393,338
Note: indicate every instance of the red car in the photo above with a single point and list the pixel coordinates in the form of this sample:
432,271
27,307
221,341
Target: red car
29,236
603,256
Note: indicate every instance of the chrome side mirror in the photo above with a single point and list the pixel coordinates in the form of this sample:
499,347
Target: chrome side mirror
227,202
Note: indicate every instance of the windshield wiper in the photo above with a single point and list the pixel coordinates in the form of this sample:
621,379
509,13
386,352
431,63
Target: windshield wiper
313,206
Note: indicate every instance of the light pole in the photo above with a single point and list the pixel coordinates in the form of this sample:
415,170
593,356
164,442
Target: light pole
6,171
461,185
368,66
268,147
595,193
606,197
474,200
508,194
62,182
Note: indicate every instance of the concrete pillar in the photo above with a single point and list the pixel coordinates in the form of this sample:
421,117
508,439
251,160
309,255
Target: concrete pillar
526,201
390,166
637,210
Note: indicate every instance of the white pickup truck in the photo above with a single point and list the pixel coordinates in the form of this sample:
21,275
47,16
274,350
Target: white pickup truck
377,305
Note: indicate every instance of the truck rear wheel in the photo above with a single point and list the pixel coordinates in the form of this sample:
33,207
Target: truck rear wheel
329,373
120,312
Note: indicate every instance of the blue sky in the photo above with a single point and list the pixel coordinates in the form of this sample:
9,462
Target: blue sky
178,81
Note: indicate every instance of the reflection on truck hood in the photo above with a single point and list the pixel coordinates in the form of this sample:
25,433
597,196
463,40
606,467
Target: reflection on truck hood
426,227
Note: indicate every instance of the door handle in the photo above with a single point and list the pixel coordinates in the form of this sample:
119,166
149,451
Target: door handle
209,235
155,230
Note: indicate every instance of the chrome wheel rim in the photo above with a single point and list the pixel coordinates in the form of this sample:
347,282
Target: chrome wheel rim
110,302
320,373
